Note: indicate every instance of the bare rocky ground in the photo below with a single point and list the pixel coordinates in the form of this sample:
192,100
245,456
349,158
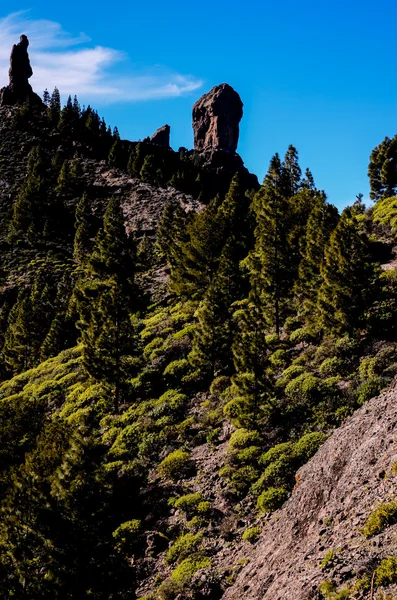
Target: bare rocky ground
142,203
335,493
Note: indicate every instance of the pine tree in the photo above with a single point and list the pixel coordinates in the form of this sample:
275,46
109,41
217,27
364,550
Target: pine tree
212,342
29,208
322,221
84,229
54,108
382,171
145,253
136,160
106,298
290,172
308,181
64,178
269,262
116,155
198,261
213,336
251,383
68,120
62,332
46,98
20,343
76,107
349,277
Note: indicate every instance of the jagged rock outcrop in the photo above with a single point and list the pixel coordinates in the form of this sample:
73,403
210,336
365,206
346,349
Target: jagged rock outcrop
19,89
161,137
216,118
336,491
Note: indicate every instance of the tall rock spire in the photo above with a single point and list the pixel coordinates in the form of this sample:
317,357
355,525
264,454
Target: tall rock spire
216,118
19,90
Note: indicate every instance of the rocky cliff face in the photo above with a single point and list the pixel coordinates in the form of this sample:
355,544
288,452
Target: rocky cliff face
19,89
216,118
335,493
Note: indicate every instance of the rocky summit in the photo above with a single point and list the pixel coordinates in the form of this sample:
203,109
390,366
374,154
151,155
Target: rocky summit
216,118
161,136
19,89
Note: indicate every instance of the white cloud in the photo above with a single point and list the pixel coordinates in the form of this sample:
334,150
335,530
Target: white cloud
70,63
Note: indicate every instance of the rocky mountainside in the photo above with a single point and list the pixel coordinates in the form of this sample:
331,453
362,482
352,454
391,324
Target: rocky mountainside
190,365
322,533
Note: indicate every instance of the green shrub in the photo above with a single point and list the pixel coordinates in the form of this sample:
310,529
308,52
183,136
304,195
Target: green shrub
242,478
248,455
196,523
331,366
153,348
278,358
219,385
185,571
238,411
368,390
189,503
184,546
177,368
170,403
279,473
272,339
203,508
290,373
304,388
251,535
291,324
275,453
303,334
327,560
169,590
329,591
383,516
307,446
241,438
176,465
271,499
386,573
127,535
213,435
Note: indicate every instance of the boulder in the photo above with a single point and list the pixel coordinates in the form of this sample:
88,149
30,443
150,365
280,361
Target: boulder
161,137
19,90
216,118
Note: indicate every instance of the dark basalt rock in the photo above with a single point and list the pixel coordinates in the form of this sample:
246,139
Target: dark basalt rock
216,118
161,137
19,90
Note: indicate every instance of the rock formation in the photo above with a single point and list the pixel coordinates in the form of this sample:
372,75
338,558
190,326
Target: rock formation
216,118
161,137
19,89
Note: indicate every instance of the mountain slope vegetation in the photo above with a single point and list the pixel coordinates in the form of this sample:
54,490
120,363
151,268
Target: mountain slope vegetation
177,341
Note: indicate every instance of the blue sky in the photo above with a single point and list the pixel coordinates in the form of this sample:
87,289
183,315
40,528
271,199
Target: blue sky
319,75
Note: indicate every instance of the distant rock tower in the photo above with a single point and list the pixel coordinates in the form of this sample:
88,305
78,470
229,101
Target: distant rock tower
216,118
161,137
19,90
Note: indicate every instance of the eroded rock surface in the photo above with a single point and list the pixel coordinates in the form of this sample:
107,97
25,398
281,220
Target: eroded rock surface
161,137
216,118
336,491
19,89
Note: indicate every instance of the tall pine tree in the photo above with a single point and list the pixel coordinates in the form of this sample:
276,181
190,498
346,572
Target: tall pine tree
106,298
